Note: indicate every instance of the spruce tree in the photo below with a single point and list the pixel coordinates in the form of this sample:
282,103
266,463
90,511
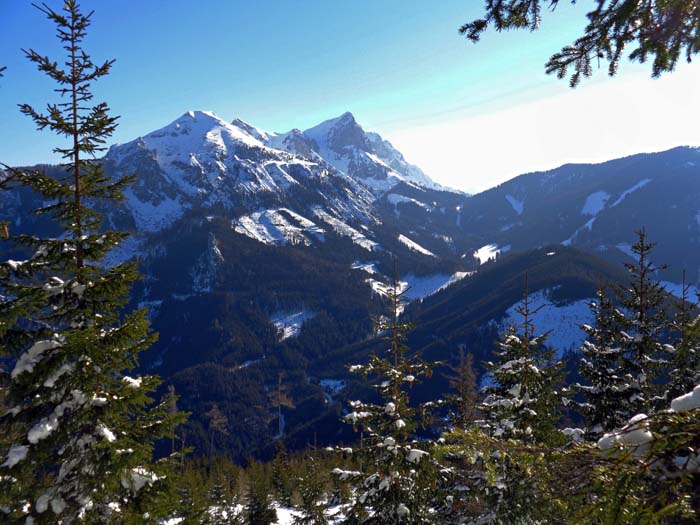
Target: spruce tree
282,481
312,510
523,402
258,500
78,437
645,359
602,367
685,360
399,479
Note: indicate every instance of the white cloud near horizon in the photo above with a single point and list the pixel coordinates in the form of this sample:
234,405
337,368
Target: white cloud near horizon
598,121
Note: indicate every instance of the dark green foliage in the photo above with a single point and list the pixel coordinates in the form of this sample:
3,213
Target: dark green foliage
685,361
258,501
605,391
645,359
646,29
79,432
523,402
311,488
283,483
399,479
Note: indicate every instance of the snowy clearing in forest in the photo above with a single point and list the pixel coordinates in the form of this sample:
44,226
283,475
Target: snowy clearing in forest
626,249
412,245
488,252
347,231
417,288
276,227
396,199
421,287
595,203
588,226
564,321
634,188
517,205
370,268
289,322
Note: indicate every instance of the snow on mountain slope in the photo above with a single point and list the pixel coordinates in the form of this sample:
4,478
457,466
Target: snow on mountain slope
397,199
412,245
289,323
414,287
631,190
420,287
595,202
488,252
342,143
201,160
563,320
280,226
347,231
517,205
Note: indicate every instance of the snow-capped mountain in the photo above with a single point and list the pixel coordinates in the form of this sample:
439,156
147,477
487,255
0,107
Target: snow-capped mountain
200,160
366,156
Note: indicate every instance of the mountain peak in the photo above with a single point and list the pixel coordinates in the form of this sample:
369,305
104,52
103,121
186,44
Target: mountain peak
346,117
199,115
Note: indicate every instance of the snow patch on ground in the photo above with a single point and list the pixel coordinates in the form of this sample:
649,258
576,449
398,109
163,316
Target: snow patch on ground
563,320
517,205
347,231
488,252
626,249
676,289
419,287
627,192
289,322
151,217
274,227
424,286
396,199
595,203
370,268
412,245
588,226
331,388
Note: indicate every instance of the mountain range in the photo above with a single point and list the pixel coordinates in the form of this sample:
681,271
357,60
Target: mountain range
267,255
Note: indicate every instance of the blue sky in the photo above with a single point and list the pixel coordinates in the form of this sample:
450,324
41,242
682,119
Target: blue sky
470,115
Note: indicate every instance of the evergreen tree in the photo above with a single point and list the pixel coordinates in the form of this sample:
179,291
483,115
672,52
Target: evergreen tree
258,500
399,479
645,359
282,481
82,431
605,390
312,510
663,31
685,364
463,383
523,402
